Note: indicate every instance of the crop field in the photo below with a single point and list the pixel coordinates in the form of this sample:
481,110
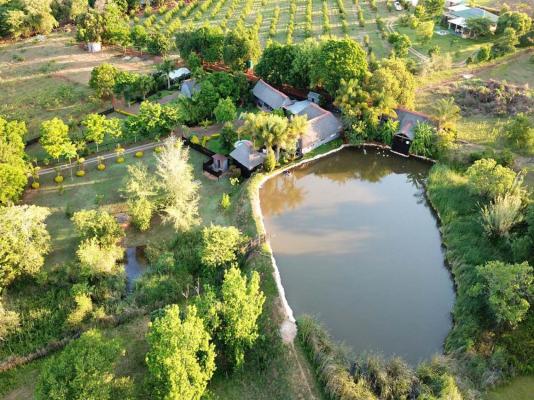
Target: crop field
284,21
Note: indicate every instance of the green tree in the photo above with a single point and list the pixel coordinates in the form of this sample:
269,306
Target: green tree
395,80
433,8
55,139
519,21
102,80
90,26
82,371
337,60
159,44
177,183
98,126
139,36
24,241
153,121
506,289
13,167
489,179
505,44
401,44
483,54
519,132
97,259
425,31
98,225
181,359
269,164
446,113
242,303
229,135
140,190
225,111
220,245
479,27
165,68
276,63
241,46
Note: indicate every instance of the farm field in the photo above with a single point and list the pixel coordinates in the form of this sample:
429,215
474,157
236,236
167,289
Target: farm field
41,79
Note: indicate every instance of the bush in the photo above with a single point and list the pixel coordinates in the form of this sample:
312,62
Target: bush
120,160
139,154
194,139
83,370
80,173
58,179
501,215
488,179
270,161
101,167
225,201
483,54
36,185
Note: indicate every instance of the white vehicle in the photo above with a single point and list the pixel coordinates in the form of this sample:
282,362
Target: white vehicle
398,6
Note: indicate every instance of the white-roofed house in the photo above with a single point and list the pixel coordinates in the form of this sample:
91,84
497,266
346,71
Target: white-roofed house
246,157
179,74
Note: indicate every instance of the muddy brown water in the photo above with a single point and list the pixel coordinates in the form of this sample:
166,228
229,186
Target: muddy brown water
358,246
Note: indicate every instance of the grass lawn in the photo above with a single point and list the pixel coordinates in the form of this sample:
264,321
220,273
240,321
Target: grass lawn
103,187
519,389
518,71
456,46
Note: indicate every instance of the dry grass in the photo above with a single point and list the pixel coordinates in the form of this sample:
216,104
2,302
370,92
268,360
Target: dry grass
42,80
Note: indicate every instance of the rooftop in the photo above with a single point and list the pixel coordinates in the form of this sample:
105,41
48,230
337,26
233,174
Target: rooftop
269,95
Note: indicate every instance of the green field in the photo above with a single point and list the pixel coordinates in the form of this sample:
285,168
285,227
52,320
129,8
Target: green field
518,389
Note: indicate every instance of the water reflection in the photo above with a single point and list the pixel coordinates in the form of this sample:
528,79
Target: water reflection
358,246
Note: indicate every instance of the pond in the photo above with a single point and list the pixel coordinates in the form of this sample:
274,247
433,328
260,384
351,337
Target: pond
135,266
358,246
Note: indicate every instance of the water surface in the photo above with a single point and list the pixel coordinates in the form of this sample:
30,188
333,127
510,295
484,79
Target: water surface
135,265
358,246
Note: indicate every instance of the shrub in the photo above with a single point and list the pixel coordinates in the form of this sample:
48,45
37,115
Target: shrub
120,160
225,201
423,142
220,245
139,154
83,370
194,139
36,185
503,213
80,173
487,178
270,161
483,54
58,179
101,167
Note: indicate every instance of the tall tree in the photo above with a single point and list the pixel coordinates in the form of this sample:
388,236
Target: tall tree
519,21
181,359
140,190
337,60
178,185
24,241
165,68
55,139
242,303
13,167
225,110
507,290
276,63
446,113
98,126
103,80
394,79
220,245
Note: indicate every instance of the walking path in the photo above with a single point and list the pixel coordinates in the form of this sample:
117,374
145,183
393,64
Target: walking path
95,159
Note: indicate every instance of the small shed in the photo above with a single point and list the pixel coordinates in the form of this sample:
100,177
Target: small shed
189,88
247,158
216,165
268,97
403,139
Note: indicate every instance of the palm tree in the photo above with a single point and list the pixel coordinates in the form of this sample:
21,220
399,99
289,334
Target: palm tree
446,113
165,68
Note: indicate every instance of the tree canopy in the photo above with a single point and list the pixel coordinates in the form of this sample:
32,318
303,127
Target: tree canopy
55,139
13,167
24,241
181,359
242,303
82,371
